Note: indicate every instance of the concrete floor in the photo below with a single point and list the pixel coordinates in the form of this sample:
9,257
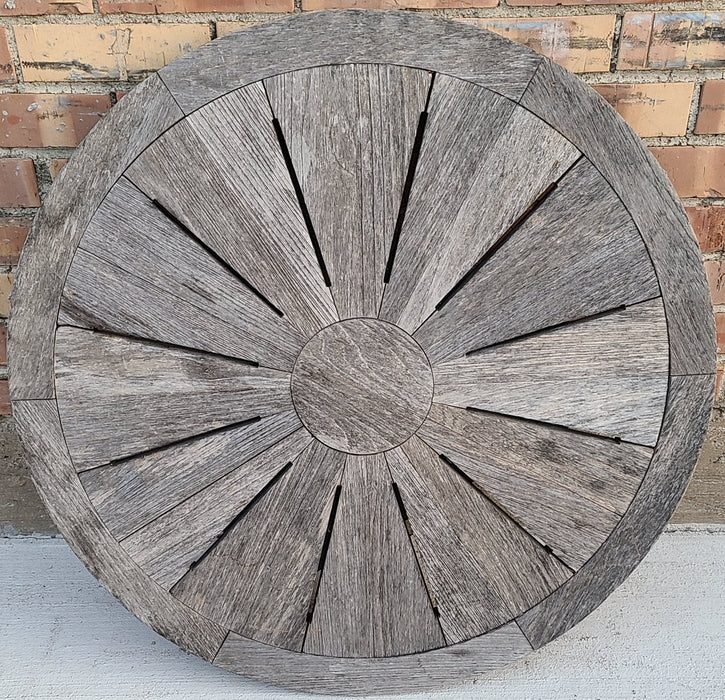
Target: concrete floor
661,635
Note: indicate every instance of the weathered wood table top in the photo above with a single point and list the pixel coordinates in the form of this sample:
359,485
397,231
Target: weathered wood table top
361,351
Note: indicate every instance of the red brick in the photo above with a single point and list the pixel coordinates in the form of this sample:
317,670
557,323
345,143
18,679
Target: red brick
715,271
5,409
581,44
147,7
6,284
651,109
3,345
711,113
708,223
33,121
46,7
13,232
18,186
308,5
720,330
695,171
7,69
664,40
55,166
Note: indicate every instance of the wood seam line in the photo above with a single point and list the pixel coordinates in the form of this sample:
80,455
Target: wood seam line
547,425
323,553
556,326
554,426
219,478
500,241
212,254
224,641
233,522
416,552
300,196
482,492
165,345
515,620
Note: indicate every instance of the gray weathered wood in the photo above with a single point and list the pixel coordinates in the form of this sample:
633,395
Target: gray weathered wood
372,599
605,138
434,670
222,174
351,36
483,162
63,495
259,580
565,489
130,493
119,396
607,375
560,265
686,420
115,141
482,567
362,386
167,546
350,131
156,282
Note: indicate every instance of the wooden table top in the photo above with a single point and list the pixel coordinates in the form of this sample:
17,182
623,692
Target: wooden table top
361,351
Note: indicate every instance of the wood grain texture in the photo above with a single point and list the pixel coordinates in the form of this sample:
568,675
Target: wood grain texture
372,599
63,495
555,268
483,162
130,493
435,670
259,579
350,36
566,489
137,273
483,569
168,546
606,376
362,386
685,423
222,174
350,131
60,223
118,396
644,189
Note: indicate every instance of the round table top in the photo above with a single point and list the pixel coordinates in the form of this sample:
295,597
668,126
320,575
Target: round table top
361,351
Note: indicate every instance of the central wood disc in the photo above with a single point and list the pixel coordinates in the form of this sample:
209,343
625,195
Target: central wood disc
362,386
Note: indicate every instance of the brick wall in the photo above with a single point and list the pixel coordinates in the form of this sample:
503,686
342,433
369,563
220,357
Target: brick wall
63,65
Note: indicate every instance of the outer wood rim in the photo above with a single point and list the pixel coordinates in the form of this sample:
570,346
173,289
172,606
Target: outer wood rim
471,54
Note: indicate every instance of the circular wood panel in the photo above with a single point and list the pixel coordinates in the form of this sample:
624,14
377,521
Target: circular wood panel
361,352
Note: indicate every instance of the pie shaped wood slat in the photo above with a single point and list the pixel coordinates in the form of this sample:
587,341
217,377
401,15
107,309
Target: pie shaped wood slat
361,376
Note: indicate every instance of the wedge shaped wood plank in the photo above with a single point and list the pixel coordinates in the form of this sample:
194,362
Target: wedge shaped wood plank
118,396
60,223
166,547
686,420
184,296
577,254
351,36
564,489
372,599
324,674
482,165
130,493
482,567
606,376
636,177
221,173
259,579
62,493
350,131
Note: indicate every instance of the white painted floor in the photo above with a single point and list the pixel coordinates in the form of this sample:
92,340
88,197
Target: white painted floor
661,635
